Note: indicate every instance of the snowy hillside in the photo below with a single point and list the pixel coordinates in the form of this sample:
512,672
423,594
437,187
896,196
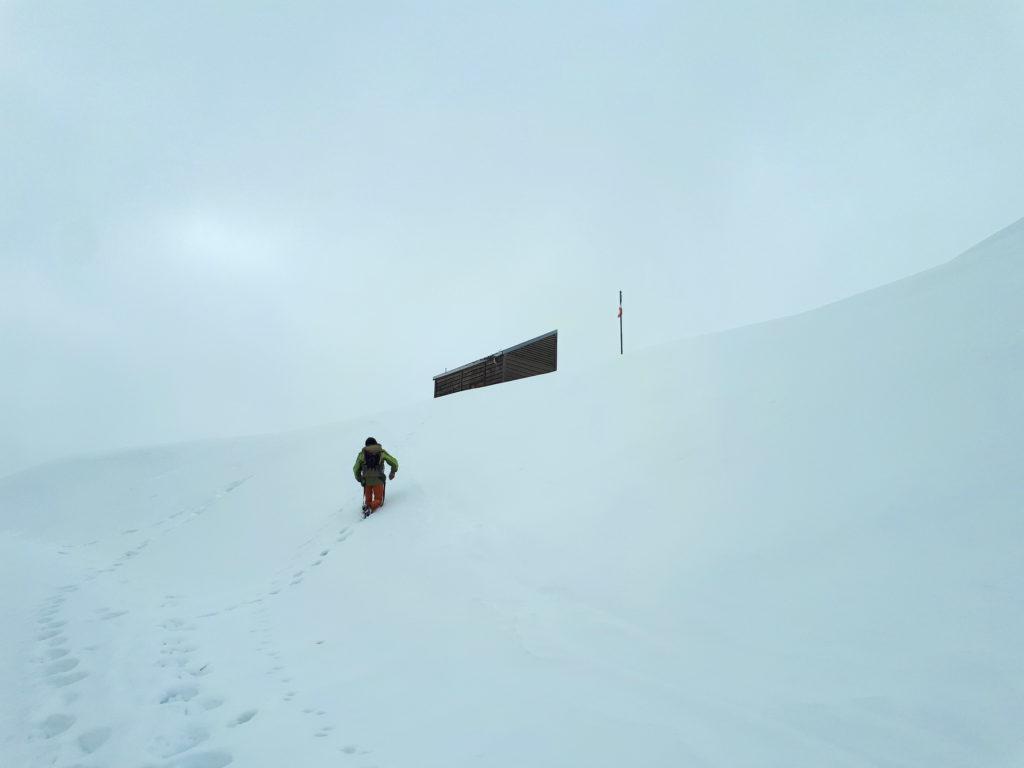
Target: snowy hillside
796,544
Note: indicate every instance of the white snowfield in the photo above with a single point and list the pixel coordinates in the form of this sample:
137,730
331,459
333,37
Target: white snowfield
795,544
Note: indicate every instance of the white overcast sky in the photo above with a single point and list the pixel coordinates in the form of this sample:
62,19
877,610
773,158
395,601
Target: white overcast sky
236,217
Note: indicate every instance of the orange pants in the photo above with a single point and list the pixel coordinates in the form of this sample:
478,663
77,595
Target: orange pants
373,495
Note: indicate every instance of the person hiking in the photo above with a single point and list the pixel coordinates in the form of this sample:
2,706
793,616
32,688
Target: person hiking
370,473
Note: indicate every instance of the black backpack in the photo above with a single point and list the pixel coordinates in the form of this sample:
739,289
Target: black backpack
372,460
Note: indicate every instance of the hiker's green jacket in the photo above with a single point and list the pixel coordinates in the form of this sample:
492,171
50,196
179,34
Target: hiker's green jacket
373,476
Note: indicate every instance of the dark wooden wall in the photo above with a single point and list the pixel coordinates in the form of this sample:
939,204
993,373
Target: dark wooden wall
540,356
531,358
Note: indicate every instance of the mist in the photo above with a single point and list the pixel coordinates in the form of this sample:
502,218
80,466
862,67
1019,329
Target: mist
257,217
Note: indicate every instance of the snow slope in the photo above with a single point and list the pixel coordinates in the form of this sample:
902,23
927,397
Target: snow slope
796,544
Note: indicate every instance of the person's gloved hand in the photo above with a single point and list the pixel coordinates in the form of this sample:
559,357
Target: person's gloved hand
361,482
392,475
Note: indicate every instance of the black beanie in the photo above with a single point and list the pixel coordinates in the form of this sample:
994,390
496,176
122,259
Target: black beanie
370,441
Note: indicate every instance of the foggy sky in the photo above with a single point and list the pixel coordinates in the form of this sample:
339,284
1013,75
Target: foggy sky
229,218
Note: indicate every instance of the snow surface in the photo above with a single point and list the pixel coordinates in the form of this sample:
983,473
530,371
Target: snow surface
796,544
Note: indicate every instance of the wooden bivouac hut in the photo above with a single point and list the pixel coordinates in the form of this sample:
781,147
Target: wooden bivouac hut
531,358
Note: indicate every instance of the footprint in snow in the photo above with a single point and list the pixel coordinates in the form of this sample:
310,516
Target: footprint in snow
62,681
55,725
243,718
61,666
92,740
179,693
177,743
235,484
201,671
353,749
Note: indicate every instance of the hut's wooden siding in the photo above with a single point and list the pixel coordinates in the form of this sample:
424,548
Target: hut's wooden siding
531,358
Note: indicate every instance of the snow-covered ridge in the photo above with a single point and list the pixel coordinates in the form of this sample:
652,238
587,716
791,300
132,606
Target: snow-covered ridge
799,543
